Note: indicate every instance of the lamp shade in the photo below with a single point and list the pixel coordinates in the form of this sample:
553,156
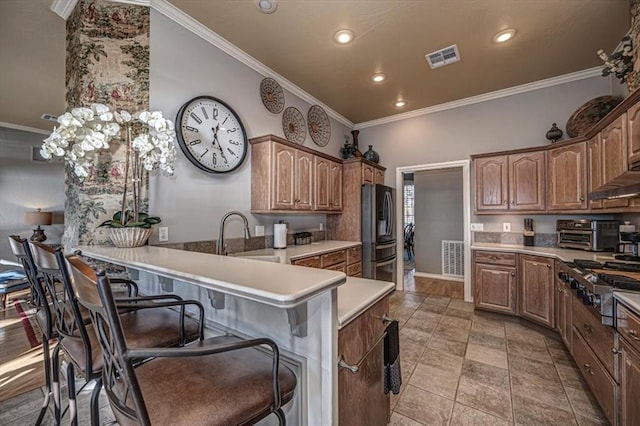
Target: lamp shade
38,218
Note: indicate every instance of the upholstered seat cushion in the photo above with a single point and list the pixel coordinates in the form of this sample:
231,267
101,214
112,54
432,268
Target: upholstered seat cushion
229,388
144,328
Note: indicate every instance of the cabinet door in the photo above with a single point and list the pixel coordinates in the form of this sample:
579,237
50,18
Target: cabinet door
564,317
379,178
536,296
495,288
283,185
367,174
614,149
527,181
633,134
335,189
567,182
629,385
323,182
304,181
595,165
491,183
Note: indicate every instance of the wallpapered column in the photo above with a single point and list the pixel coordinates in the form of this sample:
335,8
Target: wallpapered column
635,39
107,62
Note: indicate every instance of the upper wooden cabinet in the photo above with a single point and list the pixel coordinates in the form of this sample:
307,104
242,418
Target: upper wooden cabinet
367,174
289,178
633,135
567,177
614,149
510,182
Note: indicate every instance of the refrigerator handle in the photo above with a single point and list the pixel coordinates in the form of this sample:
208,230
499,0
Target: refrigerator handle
389,208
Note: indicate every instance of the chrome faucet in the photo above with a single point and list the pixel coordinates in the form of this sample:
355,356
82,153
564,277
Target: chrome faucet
221,247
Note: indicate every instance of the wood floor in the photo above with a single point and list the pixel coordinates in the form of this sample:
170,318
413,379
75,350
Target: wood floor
21,365
433,286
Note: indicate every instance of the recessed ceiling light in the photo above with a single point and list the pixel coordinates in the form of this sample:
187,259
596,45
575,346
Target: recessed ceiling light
378,77
400,104
503,36
343,36
267,6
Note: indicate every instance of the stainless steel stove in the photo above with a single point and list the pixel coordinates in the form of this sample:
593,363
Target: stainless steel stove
594,283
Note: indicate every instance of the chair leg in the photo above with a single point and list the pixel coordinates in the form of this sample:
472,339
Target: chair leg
71,383
95,399
55,385
280,415
47,379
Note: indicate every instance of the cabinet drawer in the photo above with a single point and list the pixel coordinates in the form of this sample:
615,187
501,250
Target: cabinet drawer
354,255
333,258
599,337
355,269
494,257
342,267
600,382
628,325
311,262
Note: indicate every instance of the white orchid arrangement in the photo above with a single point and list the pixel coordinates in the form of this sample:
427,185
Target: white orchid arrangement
620,63
84,132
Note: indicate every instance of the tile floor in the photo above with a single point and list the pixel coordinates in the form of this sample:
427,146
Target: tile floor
466,368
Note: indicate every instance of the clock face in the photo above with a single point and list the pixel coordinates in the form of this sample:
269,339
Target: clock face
211,135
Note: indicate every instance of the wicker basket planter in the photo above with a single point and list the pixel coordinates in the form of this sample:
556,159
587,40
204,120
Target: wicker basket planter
129,237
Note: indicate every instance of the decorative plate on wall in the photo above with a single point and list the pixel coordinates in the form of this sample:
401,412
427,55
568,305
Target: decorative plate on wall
319,125
272,95
293,125
589,114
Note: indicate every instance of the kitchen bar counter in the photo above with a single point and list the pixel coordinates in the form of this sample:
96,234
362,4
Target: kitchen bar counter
294,252
359,294
273,284
565,255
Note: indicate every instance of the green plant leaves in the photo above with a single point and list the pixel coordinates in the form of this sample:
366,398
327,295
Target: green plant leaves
144,220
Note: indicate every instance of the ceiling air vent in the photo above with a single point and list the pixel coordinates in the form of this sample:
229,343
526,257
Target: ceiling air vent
442,57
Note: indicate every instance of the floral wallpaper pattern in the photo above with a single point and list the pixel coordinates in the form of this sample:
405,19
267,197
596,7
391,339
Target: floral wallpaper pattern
635,40
107,62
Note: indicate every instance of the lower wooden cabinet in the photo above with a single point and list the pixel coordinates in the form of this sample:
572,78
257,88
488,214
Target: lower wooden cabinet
361,397
495,288
564,313
348,261
629,385
536,289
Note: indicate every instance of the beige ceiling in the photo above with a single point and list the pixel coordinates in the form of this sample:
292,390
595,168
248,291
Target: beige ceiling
554,37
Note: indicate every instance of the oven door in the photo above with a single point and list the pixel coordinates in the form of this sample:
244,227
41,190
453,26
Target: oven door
575,239
385,270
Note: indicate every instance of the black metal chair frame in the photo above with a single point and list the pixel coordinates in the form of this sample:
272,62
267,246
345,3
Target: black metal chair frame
119,376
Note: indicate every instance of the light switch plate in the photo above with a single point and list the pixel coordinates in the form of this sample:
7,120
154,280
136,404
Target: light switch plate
477,227
259,230
321,226
163,233
506,227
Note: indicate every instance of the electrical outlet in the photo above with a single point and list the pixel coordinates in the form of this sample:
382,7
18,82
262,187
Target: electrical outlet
259,230
477,227
163,233
321,226
506,227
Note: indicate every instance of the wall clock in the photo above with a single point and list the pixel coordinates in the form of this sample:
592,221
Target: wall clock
211,135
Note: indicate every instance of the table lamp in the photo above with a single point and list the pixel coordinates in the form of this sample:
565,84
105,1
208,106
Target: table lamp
38,218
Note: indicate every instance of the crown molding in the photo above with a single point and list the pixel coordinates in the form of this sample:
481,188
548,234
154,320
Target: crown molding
24,128
63,8
189,23
536,85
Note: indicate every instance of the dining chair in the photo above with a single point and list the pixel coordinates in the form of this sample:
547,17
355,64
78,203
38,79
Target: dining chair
149,321
222,380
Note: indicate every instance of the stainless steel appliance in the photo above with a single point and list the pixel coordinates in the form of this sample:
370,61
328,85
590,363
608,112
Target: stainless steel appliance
594,283
587,234
378,232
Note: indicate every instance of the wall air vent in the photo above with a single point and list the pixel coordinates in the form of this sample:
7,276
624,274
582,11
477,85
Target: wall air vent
443,57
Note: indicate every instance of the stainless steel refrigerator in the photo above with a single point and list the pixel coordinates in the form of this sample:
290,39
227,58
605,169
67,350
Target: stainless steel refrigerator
378,232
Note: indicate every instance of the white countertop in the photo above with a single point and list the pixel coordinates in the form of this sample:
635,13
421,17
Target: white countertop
357,295
566,255
629,299
274,284
294,252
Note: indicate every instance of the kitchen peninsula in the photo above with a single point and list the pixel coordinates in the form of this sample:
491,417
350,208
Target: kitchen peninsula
300,308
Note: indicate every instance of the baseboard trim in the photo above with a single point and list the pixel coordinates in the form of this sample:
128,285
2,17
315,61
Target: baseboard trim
438,276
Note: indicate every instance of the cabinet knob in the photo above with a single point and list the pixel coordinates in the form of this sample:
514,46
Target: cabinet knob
634,335
581,198
505,202
588,368
513,203
549,266
587,327
615,351
559,290
513,274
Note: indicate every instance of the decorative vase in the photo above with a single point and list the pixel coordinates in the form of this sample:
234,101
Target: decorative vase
371,155
356,151
554,134
129,237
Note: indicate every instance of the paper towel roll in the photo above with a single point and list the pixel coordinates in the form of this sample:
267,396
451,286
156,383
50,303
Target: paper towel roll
280,235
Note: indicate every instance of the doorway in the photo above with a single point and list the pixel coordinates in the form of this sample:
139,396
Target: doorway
463,249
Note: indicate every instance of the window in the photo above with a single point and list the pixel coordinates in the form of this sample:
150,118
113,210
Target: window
409,203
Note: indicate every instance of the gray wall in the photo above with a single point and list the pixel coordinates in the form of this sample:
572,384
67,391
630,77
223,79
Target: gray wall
438,215
192,202
26,185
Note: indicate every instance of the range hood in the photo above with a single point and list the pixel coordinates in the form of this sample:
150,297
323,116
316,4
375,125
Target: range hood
627,185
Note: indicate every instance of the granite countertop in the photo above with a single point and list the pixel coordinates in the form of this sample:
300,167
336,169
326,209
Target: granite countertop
296,252
274,284
565,255
357,295
629,299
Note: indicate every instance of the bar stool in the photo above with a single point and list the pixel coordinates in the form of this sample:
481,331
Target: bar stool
148,321
220,381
